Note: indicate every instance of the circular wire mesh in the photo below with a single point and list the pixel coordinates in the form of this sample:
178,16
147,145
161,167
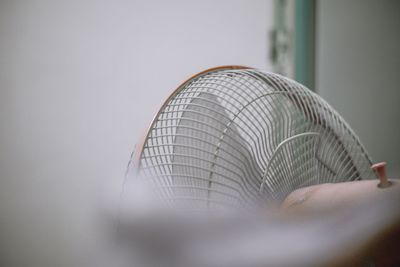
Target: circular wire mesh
229,137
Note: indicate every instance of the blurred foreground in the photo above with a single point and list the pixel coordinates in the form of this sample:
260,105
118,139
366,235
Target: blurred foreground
358,227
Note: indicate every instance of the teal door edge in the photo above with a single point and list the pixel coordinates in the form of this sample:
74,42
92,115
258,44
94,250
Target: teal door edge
304,48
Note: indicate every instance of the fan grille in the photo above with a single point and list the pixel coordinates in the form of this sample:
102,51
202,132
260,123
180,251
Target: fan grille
229,137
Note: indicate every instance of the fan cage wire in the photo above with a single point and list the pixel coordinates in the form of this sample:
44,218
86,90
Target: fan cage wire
230,136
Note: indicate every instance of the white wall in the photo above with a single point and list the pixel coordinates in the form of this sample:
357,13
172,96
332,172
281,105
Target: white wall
358,68
79,80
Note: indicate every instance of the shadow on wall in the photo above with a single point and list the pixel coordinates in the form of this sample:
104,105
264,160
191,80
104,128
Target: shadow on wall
358,63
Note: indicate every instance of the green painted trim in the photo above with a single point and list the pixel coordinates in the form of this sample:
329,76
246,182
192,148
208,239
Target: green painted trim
304,48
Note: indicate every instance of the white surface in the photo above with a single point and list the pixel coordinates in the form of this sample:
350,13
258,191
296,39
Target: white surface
358,63
79,81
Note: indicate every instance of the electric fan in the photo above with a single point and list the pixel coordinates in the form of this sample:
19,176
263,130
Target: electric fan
231,136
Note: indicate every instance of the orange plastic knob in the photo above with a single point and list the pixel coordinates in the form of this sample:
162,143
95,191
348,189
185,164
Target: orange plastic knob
379,168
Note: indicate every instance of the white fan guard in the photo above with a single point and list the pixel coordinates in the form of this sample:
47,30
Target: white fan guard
233,135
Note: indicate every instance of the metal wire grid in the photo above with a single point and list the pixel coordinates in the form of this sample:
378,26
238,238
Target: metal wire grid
231,137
